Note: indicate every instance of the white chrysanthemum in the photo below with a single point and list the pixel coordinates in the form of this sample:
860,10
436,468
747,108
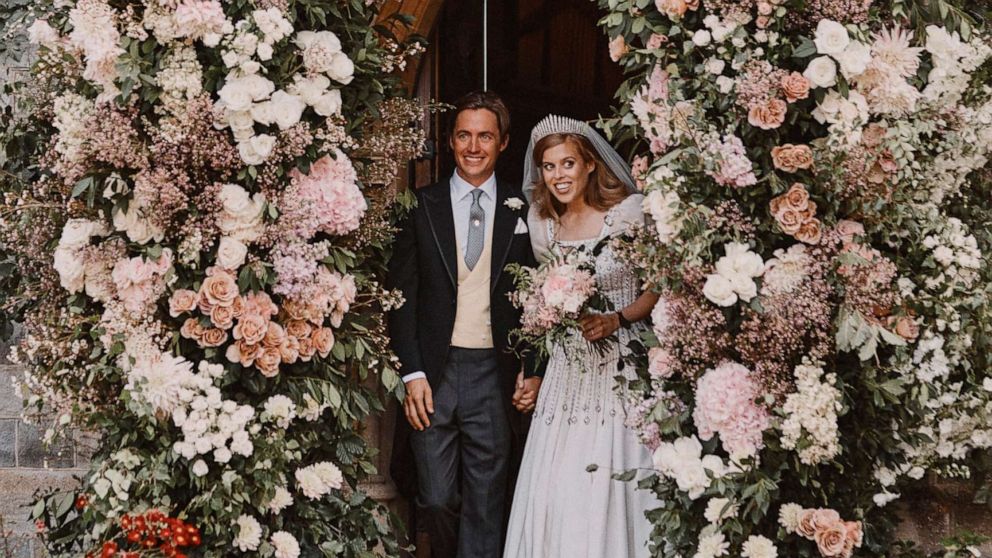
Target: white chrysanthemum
757,546
281,500
249,534
712,545
718,509
329,474
280,409
285,545
786,271
310,483
891,47
159,381
788,516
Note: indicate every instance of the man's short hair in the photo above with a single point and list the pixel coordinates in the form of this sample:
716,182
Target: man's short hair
483,100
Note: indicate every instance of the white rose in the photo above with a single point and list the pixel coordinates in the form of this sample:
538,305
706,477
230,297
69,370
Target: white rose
249,67
248,153
137,228
725,84
258,86
719,290
715,66
264,52
243,134
222,455
200,468
821,72
236,95
211,39
831,37
241,119
721,32
231,253
310,89
739,260
854,60
230,58
286,109
663,209
342,69
701,38
70,269
78,232
745,287
329,103
262,113
256,150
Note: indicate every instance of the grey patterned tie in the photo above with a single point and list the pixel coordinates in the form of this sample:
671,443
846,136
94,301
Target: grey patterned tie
476,230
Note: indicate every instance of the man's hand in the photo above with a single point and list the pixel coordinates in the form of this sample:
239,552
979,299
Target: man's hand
419,403
525,395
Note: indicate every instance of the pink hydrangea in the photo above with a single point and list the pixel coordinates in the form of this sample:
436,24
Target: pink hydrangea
327,199
733,168
725,405
200,18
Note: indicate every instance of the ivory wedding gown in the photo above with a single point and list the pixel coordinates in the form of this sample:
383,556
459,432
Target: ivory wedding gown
559,509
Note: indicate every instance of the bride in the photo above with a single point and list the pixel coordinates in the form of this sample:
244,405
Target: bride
581,192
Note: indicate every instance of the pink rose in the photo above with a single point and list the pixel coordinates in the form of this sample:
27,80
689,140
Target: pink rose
290,350
855,534
807,523
222,316
790,158
656,41
810,232
192,329
298,328
905,327
181,301
849,229
831,540
671,8
660,363
795,87
618,48
275,336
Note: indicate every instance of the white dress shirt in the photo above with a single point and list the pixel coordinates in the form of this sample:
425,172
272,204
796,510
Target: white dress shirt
461,205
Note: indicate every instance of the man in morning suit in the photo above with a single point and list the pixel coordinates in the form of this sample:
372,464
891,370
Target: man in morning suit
451,335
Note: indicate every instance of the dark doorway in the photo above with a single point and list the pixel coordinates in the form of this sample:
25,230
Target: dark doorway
544,56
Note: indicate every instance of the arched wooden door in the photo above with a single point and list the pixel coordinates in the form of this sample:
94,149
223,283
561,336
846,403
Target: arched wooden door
544,56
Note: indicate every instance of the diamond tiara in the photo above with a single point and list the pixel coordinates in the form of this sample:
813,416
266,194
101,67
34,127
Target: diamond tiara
554,124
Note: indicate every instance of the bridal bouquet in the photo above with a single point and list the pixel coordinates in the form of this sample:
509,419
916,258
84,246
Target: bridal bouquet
554,297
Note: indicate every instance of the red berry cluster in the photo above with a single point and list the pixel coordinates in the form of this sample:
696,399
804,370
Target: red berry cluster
151,531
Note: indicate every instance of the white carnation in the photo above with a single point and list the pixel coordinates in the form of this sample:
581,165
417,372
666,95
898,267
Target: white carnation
285,545
249,533
280,500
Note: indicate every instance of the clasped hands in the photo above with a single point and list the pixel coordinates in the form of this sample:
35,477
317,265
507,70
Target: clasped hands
419,402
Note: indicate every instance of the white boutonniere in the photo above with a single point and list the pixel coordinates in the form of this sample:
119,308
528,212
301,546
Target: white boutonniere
514,203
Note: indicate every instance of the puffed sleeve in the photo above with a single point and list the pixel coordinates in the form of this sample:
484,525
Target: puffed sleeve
628,213
538,228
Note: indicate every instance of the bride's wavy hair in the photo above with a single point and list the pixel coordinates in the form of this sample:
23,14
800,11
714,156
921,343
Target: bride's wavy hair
603,191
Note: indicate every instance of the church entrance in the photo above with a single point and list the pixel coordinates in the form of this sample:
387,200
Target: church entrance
541,56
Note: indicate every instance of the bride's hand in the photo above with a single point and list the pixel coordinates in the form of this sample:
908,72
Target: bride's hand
599,326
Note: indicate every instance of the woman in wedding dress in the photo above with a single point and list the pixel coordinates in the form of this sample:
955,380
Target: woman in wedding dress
581,192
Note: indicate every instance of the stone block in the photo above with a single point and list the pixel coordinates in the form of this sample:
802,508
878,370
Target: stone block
32,452
18,487
10,402
6,345
8,442
17,546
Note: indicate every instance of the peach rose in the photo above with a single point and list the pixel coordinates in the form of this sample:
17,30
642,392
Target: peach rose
790,158
810,232
810,211
213,337
183,300
248,352
768,116
672,8
776,205
794,87
855,535
203,304
618,48
762,22
299,328
797,197
832,540
222,316
275,336
849,229
238,307
323,341
219,288
825,517
807,523
261,304
790,221
268,362
905,327
251,329
290,349
192,329
306,349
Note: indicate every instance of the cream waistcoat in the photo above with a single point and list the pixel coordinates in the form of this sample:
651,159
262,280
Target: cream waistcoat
473,326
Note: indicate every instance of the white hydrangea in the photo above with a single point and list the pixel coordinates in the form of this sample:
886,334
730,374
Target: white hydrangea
811,416
209,423
180,77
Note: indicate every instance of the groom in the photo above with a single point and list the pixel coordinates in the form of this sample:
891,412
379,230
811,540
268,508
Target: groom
451,335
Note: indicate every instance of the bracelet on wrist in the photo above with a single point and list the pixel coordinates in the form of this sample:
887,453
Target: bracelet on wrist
624,322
